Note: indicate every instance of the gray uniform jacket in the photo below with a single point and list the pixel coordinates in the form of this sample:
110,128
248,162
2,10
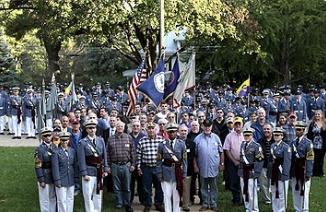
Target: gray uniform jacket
64,167
304,149
87,148
282,154
251,155
167,172
28,106
43,162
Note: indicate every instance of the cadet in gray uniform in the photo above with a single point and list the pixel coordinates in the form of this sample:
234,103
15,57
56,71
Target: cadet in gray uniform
93,166
279,164
16,112
301,168
29,111
3,109
43,167
251,164
65,173
172,168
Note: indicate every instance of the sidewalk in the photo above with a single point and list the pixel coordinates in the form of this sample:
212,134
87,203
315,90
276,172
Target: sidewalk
6,140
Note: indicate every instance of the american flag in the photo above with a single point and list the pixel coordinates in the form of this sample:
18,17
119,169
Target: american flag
139,78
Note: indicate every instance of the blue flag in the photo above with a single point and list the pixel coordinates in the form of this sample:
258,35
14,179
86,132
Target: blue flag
153,87
173,81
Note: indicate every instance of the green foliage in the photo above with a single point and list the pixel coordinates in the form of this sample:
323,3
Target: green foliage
95,64
275,42
293,39
6,61
8,75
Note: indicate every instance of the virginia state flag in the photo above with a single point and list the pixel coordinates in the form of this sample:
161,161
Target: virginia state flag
173,81
153,87
243,90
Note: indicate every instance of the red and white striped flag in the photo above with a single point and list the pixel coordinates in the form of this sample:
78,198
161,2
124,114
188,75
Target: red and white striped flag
139,78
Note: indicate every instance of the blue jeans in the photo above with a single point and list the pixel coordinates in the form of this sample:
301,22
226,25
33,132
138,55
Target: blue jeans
121,177
150,178
208,184
234,182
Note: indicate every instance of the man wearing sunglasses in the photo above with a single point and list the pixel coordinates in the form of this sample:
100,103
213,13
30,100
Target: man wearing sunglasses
93,166
301,168
43,167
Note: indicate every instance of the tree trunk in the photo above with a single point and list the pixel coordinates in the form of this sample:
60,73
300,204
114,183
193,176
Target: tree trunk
52,51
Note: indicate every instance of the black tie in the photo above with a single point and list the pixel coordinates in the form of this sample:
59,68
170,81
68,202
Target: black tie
246,144
297,141
171,144
94,141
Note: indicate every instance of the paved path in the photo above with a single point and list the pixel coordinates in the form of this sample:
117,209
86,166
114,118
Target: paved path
6,140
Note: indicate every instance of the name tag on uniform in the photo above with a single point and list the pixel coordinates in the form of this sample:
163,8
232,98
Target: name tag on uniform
188,150
127,145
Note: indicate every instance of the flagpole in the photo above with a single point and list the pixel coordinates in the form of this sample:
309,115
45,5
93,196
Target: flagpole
249,94
161,46
43,95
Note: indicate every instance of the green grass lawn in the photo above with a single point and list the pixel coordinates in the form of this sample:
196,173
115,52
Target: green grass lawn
18,187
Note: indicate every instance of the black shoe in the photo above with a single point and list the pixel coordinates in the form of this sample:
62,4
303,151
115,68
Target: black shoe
33,137
236,204
19,137
11,134
15,137
186,209
28,137
129,209
147,209
1,133
159,208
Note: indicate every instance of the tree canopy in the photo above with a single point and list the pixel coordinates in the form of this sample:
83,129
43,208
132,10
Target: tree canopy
275,42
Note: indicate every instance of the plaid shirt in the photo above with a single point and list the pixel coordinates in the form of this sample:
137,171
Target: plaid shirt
289,133
121,149
147,151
